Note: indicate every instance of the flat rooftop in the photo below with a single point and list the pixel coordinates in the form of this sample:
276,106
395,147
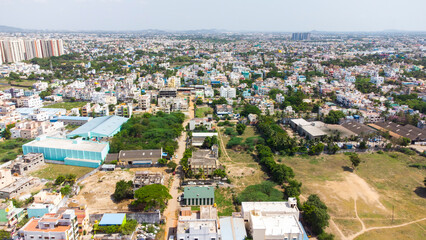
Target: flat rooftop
276,225
105,126
68,144
112,219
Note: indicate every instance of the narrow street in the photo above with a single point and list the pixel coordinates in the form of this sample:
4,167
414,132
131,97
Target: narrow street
170,213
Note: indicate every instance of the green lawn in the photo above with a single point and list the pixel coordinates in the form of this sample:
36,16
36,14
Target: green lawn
223,199
10,148
52,171
203,111
66,105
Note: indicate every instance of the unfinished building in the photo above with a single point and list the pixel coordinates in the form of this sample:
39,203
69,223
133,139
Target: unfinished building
143,178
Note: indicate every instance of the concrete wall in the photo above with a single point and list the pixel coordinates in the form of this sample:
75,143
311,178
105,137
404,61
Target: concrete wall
150,217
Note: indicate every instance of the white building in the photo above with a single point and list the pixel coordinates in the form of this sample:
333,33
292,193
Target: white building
227,92
273,220
32,102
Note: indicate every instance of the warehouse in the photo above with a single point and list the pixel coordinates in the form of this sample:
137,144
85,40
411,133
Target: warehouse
195,196
98,128
76,152
415,134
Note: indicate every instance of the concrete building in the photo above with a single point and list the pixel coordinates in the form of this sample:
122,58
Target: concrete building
273,220
99,128
51,226
9,215
205,160
143,178
6,177
196,196
222,110
198,226
228,92
232,228
308,129
26,163
139,158
76,152
44,202
124,110
200,122
17,186
144,102
198,138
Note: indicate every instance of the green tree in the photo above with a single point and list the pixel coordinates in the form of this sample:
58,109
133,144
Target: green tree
199,102
66,190
333,117
315,214
98,89
5,235
325,236
59,180
162,161
363,145
316,149
264,191
250,109
241,128
200,73
292,189
355,160
404,141
123,190
172,165
150,197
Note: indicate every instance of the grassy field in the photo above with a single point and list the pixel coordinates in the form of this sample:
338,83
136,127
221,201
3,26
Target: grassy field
10,148
52,171
25,84
382,185
66,105
223,199
203,111
241,166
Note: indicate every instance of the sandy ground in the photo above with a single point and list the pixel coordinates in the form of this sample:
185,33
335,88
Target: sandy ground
99,187
355,188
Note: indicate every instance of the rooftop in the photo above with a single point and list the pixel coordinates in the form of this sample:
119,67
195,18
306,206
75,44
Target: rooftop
198,192
105,126
112,219
69,144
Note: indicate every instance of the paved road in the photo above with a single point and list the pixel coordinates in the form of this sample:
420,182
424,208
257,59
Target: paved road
173,206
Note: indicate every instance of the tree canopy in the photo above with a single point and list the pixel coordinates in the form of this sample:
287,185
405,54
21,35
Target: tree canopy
149,132
123,190
264,191
315,214
151,197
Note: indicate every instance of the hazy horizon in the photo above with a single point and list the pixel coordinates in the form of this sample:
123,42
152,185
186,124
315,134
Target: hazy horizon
231,15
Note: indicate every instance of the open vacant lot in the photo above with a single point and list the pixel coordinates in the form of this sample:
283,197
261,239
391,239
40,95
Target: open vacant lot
98,188
52,171
363,203
203,111
241,167
67,105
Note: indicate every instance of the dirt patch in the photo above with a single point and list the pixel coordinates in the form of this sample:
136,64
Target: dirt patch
354,188
99,187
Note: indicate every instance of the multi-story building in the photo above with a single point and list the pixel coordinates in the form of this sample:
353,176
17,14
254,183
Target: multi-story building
300,36
5,177
124,110
52,226
27,163
17,50
198,226
144,102
228,92
32,102
273,220
204,160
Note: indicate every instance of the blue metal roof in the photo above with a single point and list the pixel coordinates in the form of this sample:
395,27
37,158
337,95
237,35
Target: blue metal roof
109,219
101,126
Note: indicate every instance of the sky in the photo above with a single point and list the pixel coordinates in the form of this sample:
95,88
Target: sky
233,15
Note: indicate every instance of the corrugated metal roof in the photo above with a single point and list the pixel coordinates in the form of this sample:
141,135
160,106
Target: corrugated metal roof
104,126
112,219
198,192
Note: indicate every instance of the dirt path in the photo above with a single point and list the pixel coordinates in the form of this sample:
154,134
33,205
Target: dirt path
170,213
223,146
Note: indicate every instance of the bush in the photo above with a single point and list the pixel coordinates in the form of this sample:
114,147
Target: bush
315,214
123,190
325,236
234,141
261,192
407,151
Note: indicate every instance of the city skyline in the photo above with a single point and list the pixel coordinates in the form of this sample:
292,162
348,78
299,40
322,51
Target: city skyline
250,15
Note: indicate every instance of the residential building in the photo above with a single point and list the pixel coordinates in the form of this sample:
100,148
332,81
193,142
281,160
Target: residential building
222,110
124,110
198,226
26,163
5,177
200,122
273,220
10,215
18,185
199,137
228,92
44,202
51,226
204,160
144,102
